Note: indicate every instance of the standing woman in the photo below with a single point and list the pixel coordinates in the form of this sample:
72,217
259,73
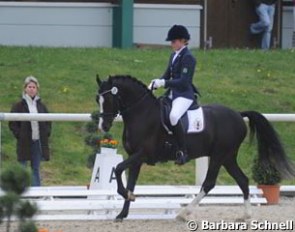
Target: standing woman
32,136
178,79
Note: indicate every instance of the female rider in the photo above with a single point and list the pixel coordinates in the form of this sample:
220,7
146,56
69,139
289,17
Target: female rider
178,79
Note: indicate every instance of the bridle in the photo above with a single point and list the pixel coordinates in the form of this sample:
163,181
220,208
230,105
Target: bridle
123,109
113,115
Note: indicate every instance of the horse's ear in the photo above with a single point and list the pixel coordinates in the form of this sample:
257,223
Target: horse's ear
98,80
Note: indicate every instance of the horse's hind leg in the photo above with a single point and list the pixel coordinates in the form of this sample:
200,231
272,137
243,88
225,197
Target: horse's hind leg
209,183
242,180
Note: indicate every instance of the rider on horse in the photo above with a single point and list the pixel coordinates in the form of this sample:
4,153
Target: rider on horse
178,79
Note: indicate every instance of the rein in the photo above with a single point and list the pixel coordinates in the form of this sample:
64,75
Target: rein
114,92
132,105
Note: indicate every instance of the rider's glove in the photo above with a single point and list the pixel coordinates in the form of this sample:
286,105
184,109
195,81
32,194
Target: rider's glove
157,83
151,85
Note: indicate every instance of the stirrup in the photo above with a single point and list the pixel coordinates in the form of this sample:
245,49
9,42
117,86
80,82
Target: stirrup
181,158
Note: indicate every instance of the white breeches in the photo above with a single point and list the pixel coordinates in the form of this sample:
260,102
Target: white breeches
179,106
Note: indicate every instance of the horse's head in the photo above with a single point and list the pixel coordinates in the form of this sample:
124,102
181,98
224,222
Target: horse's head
106,98
120,94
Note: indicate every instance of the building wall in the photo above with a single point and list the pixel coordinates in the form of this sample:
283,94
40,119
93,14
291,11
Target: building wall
190,2
152,22
89,24
288,27
56,24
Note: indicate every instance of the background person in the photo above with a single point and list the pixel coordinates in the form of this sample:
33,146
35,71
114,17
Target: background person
265,10
32,136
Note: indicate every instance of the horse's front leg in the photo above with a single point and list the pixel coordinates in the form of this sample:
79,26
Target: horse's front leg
132,178
121,167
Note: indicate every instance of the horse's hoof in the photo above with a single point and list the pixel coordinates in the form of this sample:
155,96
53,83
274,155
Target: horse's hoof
247,215
186,218
183,215
180,218
118,219
131,196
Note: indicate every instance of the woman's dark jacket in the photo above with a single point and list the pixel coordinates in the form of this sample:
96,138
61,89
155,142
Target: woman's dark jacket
22,131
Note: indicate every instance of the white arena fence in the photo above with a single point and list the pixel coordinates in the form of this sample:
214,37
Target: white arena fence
153,202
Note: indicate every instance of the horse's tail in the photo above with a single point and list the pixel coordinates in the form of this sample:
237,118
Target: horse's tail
270,148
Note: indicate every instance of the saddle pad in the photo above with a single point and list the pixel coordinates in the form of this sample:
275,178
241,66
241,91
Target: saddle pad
195,120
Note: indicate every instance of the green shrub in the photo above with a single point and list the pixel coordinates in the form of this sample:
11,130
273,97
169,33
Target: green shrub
265,173
28,226
14,182
15,179
26,209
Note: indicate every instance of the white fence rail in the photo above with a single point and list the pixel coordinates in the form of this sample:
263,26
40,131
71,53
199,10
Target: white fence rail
76,117
201,165
44,117
87,117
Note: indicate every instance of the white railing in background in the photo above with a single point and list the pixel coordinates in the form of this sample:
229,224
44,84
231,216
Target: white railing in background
74,117
201,163
44,117
87,117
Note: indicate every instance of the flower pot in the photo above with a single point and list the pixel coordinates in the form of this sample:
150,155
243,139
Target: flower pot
108,151
271,193
43,230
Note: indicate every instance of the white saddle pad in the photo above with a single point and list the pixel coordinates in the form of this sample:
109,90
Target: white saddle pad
195,120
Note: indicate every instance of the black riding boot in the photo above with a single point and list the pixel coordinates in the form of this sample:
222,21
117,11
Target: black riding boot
181,154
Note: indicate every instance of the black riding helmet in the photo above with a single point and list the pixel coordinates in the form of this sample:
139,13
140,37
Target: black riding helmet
178,32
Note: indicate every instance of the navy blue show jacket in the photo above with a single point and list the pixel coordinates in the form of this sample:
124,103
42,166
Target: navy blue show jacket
179,75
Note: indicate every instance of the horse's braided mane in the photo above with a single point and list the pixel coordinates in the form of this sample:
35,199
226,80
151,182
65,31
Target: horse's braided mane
124,78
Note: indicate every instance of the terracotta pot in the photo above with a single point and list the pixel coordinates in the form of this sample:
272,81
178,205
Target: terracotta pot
43,230
271,193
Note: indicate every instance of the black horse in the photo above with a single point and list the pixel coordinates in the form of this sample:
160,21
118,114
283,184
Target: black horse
145,140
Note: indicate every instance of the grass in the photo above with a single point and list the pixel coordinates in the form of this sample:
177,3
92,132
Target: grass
241,79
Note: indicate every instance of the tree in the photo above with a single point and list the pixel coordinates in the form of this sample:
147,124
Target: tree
14,182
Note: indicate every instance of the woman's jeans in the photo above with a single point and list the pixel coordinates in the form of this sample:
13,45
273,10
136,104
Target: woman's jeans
265,24
35,162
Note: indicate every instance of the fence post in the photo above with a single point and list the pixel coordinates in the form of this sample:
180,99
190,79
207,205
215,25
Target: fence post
123,24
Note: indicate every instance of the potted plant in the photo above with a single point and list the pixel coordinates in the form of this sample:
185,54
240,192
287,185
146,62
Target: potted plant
108,145
103,144
268,178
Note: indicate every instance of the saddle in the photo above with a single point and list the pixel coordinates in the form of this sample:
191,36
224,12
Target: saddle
192,121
